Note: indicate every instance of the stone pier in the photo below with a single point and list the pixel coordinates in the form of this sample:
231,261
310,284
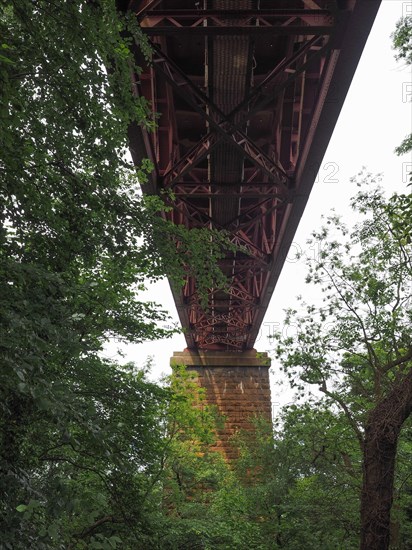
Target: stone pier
236,382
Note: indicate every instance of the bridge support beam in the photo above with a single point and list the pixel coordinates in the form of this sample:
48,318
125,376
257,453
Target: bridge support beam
237,383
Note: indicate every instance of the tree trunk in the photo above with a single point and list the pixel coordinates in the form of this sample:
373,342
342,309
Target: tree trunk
379,455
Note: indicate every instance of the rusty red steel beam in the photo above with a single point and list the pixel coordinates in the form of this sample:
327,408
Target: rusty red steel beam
248,190
244,194
237,236
214,320
140,7
242,315
232,291
229,300
200,215
214,339
237,222
239,304
201,102
217,331
325,111
237,318
251,209
236,31
228,130
234,223
223,325
229,320
243,298
232,322
220,123
173,73
214,22
227,303
209,142
315,14
199,218
191,159
268,211
244,263
242,241
259,97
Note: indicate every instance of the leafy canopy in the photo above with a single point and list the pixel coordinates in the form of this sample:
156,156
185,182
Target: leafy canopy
77,242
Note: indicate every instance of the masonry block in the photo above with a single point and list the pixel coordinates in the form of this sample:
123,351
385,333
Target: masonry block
237,383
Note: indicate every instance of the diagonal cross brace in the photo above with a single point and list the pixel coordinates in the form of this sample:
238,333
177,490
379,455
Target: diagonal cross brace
223,124
220,122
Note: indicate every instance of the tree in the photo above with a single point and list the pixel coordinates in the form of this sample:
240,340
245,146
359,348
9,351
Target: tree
356,348
204,504
77,243
84,481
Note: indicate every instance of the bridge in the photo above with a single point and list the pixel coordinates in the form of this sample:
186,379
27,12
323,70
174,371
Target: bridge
248,93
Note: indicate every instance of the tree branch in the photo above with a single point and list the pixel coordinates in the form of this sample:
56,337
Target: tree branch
88,530
346,411
396,362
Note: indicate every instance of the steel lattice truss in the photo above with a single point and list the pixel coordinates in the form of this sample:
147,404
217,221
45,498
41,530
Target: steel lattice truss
241,94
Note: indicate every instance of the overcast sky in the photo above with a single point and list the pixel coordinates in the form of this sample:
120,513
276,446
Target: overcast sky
375,118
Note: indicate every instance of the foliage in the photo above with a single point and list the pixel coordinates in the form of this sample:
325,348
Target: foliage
402,43
402,39
84,473
354,341
356,347
92,454
78,433
202,500
303,479
125,465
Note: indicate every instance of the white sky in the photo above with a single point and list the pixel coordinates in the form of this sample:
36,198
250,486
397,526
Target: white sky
375,118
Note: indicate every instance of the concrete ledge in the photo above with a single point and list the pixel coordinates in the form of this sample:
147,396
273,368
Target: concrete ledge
250,358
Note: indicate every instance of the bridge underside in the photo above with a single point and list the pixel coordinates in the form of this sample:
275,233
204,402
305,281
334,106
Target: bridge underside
248,97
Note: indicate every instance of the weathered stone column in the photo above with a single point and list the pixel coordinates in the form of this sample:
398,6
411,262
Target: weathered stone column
236,382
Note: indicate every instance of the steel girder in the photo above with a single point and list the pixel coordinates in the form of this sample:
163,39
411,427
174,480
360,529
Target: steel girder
213,22
224,126
268,131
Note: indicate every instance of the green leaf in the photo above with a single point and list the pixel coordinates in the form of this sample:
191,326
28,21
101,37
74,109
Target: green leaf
7,60
52,531
21,507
